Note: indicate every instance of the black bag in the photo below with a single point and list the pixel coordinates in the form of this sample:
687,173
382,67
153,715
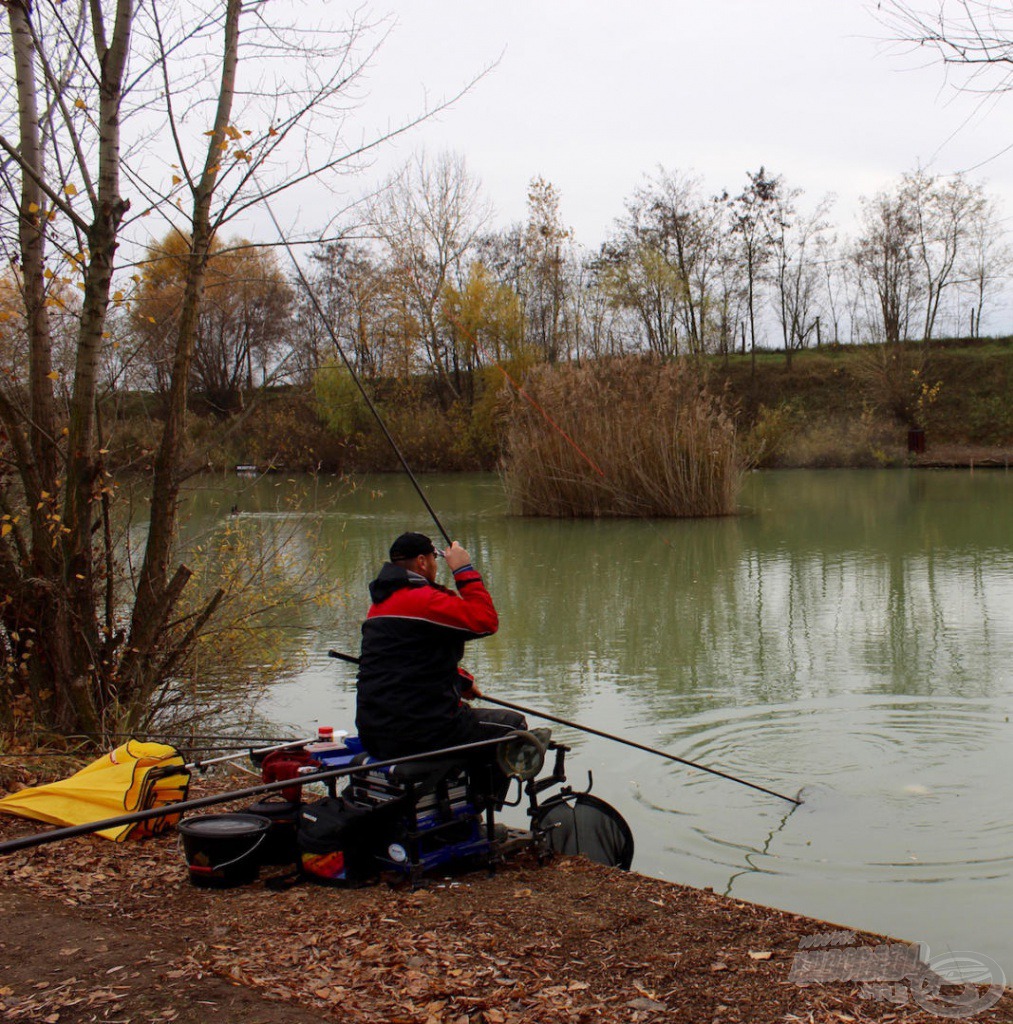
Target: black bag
339,841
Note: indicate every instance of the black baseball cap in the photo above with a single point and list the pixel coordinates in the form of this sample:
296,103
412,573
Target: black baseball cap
410,545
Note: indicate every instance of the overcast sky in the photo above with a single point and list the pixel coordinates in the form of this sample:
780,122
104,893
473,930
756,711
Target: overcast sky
593,94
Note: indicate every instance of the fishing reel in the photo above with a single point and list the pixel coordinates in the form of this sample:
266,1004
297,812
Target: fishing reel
523,754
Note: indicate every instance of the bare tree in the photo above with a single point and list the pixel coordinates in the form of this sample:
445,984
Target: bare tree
942,211
975,36
665,259
428,217
885,256
795,241
986,260
116,113
752,213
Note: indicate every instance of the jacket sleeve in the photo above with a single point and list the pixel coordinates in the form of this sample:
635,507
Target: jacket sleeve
470,609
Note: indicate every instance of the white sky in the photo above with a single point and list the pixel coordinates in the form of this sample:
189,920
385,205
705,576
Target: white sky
592,94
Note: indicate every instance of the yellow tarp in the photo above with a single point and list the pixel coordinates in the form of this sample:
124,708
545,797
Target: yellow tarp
133,777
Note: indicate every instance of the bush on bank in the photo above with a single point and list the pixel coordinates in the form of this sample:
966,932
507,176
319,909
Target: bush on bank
626,437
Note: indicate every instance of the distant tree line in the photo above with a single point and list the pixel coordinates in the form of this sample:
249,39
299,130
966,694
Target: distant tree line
685,271
423,284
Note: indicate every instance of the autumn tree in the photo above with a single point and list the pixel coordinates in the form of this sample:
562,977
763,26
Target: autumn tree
244,315
191,136
545,246
485,320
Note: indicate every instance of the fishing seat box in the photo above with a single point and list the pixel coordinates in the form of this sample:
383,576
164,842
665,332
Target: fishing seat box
447,813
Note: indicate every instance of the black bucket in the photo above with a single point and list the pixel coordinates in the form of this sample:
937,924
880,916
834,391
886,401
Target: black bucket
280,845
223,850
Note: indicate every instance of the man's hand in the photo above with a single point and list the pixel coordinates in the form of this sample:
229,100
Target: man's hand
466,682
456,556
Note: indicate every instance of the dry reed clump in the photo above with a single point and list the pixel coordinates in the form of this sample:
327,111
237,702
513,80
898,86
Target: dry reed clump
656,441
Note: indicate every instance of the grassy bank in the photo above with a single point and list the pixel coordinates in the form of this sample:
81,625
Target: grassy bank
854,406
839,406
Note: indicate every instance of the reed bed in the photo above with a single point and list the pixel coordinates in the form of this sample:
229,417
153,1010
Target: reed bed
653,442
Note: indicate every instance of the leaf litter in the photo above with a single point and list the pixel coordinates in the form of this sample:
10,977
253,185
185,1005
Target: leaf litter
568,942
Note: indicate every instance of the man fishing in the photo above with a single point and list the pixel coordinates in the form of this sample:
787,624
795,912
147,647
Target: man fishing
411,694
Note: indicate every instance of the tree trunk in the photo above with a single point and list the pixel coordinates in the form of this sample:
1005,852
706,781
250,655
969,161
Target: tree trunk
155,597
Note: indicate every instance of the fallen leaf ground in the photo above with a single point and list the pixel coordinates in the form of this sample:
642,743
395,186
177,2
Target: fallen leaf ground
92,931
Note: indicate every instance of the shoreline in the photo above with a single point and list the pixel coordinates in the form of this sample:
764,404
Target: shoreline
99,931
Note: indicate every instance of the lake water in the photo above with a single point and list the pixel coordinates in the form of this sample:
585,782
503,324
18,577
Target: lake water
849,635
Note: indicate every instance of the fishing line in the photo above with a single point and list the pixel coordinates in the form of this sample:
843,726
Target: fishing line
348,366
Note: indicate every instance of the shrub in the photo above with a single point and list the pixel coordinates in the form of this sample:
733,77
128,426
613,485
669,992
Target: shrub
772,432
868,440
631,437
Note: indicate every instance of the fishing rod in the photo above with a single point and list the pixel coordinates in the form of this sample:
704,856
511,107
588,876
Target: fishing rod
72,831
355,377
610,736
203,765
167,736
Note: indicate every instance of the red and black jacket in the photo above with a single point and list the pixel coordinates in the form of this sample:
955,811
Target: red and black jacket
409,685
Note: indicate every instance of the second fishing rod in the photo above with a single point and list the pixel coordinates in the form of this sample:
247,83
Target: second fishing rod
613,737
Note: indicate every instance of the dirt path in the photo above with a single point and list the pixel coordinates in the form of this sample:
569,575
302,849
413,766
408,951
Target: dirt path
68,965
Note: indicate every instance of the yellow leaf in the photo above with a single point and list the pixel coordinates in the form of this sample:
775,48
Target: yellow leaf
272,131
55,375
47,273
80,104
117,297
33,207
70,189
5,529
151,319
210,132
233,133
176,179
